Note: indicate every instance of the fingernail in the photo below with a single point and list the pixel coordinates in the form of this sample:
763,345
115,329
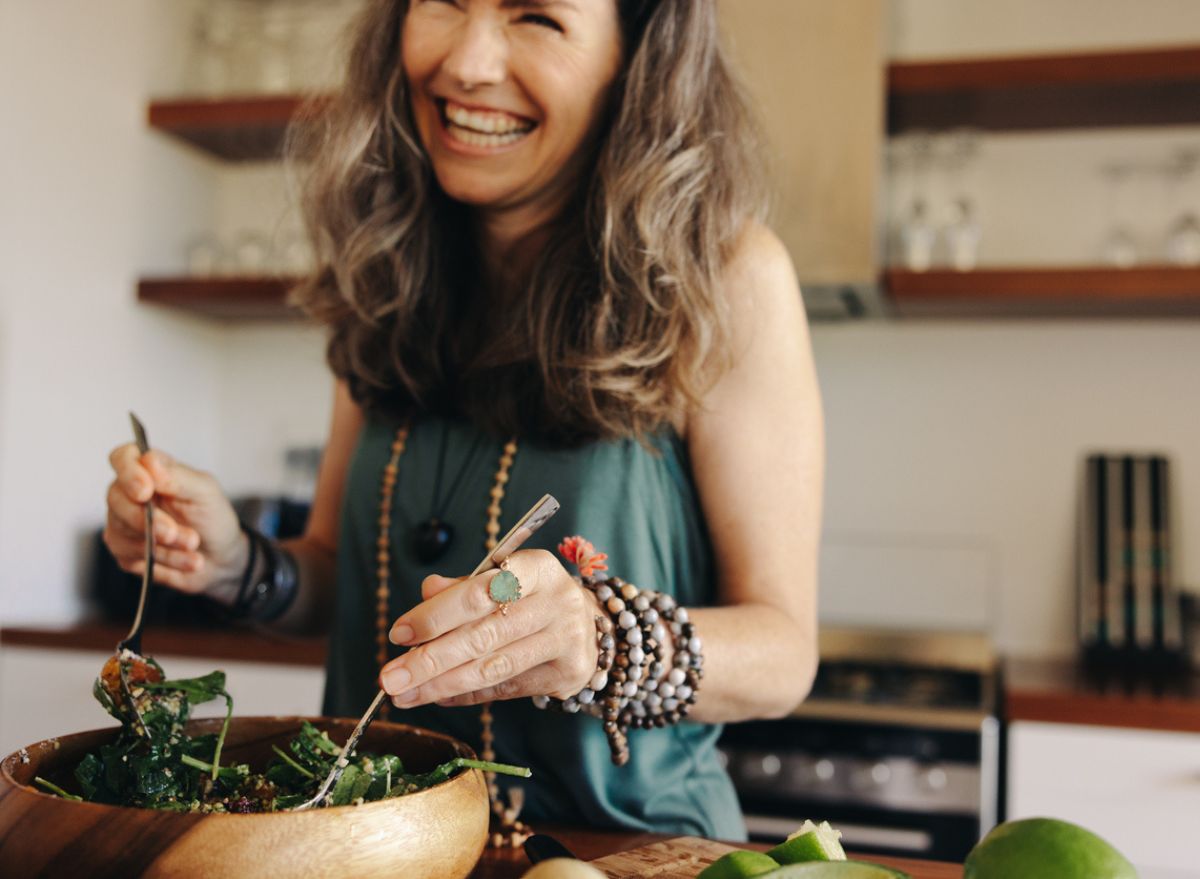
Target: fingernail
405,699
396,679
401,633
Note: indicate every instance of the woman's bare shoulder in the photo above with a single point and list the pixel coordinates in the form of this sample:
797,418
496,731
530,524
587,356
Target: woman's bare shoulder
760,285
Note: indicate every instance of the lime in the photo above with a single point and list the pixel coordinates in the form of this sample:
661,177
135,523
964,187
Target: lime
738,865
1045,848
812,842
837,870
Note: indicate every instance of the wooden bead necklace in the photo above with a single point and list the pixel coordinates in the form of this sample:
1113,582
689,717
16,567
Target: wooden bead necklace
512,832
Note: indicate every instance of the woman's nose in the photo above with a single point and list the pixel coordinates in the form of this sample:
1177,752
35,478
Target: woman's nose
479,55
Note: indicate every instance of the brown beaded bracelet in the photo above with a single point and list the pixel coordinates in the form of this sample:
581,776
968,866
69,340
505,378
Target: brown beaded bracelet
632,686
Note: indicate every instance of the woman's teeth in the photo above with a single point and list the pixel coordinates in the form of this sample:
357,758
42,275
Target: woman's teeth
484,129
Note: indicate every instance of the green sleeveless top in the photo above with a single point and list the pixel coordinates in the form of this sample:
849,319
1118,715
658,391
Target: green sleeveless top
638,506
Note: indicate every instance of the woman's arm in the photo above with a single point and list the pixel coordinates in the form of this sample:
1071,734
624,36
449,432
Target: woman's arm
757,452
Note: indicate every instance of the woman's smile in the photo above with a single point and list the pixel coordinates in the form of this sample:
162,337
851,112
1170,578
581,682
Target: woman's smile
482,129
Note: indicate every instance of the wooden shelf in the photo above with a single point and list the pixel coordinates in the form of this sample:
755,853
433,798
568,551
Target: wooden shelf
1025,93
233,298
243,645
236,129
1067,291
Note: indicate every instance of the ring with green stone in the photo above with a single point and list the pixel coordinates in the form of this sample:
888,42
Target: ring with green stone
504,588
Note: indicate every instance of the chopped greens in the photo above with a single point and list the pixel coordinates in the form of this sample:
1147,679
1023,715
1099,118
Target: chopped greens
164,768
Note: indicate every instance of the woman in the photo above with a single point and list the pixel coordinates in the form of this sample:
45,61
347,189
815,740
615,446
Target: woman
541,267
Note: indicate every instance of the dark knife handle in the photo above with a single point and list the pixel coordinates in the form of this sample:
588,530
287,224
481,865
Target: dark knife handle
541,847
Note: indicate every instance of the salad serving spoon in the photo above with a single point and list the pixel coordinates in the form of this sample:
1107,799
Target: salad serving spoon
534,519
129,648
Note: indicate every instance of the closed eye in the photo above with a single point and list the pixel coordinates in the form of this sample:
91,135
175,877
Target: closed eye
542,20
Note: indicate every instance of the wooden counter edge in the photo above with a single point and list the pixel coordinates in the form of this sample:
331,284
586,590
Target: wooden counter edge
236,644
1050,691
592,844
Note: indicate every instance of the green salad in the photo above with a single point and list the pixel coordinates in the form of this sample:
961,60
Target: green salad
153,764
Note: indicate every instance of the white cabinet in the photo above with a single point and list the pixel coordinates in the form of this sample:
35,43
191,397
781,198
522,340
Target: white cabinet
1139,789
48,692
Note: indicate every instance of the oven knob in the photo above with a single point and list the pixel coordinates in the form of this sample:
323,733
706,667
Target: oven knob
935,778
824,769
771,765
881,774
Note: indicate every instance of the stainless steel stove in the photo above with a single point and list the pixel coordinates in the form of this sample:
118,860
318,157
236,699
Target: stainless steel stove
898,746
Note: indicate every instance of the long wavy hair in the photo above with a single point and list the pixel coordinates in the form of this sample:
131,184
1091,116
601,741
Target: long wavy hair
620,325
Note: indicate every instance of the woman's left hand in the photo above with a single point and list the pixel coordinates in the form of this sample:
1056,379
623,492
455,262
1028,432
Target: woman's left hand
465,651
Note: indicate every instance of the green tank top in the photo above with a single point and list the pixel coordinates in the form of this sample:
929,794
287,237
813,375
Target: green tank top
639,506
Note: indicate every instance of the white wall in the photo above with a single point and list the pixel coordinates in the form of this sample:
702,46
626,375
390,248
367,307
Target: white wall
90,198
958,435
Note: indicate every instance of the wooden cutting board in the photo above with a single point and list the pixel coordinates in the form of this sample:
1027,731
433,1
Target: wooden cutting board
679,858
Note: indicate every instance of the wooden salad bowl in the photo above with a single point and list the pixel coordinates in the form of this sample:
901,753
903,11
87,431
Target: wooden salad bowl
437,833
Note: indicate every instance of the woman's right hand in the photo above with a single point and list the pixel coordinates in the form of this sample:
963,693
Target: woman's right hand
199,545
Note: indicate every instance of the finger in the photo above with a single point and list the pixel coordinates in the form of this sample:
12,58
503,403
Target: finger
184,581
471,641
435,584
132,477
537,681
132,517
458,604
129,550
493,671
173,479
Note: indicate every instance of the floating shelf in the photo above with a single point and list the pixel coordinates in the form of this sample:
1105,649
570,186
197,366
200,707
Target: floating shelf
235,129
1026,93
233,298
1067,291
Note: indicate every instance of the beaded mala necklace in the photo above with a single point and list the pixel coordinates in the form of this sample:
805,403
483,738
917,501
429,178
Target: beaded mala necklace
512,831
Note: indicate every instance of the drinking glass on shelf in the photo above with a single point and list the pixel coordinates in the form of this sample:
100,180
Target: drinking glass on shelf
290,255
1181,175
961,234
278,31
205,257
1119,247
910,161
209,55
250,250
960,230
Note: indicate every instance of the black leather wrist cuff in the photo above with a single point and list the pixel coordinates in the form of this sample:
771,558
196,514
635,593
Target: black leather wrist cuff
267,597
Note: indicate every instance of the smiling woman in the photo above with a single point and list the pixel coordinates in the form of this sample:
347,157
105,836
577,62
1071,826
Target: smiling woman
506,97
542,268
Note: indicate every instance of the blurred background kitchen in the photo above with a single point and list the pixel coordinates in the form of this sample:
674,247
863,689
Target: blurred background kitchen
994,209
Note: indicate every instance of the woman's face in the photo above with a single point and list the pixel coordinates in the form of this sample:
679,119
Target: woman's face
507,94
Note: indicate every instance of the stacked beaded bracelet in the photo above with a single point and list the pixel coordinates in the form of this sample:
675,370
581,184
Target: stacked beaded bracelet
632,686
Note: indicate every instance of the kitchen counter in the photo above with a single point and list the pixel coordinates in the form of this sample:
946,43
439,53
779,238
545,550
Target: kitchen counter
592,844
1061,692
231,643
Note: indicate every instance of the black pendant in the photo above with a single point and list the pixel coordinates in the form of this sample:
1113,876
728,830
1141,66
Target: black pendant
431,539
